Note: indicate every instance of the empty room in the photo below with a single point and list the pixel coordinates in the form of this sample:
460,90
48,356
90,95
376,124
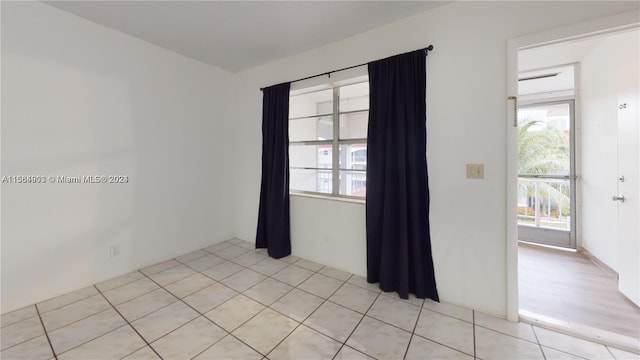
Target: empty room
319,180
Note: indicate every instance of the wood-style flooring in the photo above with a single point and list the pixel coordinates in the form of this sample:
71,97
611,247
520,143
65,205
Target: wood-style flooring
568,286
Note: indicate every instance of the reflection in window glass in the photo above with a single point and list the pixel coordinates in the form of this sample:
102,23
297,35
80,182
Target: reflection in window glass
312,145
311,104
315,128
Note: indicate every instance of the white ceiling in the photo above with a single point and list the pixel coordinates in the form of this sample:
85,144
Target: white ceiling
237,35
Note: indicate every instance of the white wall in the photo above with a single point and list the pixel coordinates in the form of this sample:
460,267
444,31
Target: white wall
600,71
466,90
80,99
329,232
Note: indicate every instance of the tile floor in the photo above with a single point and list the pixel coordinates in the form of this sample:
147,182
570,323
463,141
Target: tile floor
229,301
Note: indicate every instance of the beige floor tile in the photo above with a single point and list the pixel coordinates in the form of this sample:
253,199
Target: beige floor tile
309,265
229,348
22,331
553,354
85,330
347,353
395,312
304,343
269,266
517,329
335,273
67,314
18,315
458,312
218,247
379,340
130,291
297,304
413,300
421,348
231,252
189,340
189,285
292,275
34,349
334,321
320,285
290,259
362,282
141,306
234,312
247,245
172,275
113,345
119,281
268,291
243,280
192,256
150,270
446,330
250,258
205,262
572,345
494,345
265,330
66,299
163,321
210,297
621,354
222,270
265,318
354,297
143,354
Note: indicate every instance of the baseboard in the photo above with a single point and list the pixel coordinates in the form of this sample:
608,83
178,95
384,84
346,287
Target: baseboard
599,263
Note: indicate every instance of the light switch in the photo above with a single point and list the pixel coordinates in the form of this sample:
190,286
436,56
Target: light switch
475,171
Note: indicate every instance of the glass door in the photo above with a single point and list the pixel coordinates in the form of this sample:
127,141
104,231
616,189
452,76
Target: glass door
546,174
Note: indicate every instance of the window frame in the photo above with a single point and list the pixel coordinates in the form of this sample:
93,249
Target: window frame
335,143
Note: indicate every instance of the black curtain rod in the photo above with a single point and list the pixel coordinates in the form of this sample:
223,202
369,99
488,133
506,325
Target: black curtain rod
328,73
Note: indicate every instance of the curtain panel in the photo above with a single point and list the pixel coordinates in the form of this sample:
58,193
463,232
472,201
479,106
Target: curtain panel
274,230
397,203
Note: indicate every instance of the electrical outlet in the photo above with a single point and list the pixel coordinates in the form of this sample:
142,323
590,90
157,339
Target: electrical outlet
475,171
114,250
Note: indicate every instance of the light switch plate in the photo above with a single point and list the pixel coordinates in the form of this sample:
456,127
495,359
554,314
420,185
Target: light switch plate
475,171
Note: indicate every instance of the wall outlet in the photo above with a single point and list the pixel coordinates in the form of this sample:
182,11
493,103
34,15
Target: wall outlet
114,250
475,171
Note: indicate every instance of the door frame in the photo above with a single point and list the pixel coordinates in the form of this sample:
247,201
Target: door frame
599,26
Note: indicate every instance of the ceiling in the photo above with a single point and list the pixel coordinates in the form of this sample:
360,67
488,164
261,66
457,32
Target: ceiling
237,35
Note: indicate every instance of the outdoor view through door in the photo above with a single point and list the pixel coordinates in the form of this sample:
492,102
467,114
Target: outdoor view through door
546,173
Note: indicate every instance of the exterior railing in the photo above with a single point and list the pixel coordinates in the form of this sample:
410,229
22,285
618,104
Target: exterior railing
544,201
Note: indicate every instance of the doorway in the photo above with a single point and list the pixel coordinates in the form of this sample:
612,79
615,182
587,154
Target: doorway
608,249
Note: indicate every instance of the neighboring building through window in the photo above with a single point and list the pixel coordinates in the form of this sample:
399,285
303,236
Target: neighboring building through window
328,138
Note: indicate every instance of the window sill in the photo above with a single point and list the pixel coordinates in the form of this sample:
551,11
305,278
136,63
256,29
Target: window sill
325,197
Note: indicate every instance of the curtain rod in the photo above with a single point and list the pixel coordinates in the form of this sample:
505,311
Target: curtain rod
328,73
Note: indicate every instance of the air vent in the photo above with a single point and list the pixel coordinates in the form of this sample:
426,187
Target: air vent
538,77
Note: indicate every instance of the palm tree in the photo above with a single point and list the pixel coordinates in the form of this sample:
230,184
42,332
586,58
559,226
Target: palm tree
543,150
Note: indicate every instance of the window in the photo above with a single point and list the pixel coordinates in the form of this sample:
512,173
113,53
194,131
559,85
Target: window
328,138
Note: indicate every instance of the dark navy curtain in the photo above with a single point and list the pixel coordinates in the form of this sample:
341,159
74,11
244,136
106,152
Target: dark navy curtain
274,230
397,207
